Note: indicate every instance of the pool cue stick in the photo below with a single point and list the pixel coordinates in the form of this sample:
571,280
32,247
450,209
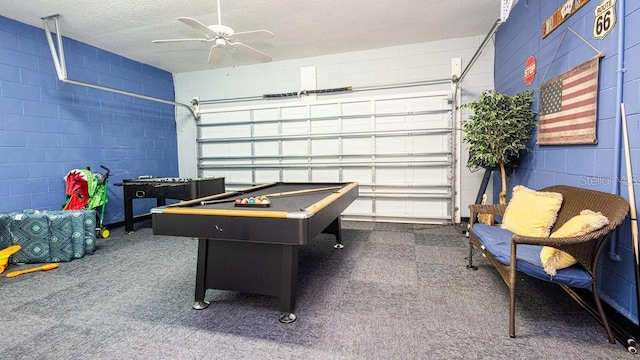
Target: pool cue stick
280,194
211,202
632,211
632,197
304,191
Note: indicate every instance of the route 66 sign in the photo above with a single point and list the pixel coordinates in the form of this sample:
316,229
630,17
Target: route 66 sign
604,18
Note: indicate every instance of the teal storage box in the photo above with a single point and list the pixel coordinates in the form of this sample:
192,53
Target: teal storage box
31,232
48,236
5,234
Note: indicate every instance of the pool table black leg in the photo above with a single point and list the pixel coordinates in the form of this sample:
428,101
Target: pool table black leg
201,274
288,284
335,228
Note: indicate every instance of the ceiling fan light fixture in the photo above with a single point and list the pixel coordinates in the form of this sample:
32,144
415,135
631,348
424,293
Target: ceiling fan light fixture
221,36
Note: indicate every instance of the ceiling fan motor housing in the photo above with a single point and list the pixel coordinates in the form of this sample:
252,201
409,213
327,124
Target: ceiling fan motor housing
221,30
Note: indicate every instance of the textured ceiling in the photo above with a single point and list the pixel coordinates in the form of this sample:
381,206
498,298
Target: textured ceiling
301,28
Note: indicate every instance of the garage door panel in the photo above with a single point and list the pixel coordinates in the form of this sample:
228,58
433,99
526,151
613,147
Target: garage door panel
410,176
325,175
295,147
267,148
325,126
236,176
359,175
408,207
263,176
294,112
225,149
354,146
324,110
265,114
325,147
355,107
295,175
266,129
295,128
357,124
397,144
226,131
398,148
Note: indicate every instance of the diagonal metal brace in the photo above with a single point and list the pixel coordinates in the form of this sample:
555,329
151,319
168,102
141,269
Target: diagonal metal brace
57,53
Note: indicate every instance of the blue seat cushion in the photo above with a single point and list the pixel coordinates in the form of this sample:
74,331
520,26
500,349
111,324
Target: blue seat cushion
497,241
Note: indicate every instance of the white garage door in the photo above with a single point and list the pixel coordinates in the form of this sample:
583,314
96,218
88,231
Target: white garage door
398,148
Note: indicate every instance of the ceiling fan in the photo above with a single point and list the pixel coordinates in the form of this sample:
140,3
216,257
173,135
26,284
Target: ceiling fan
223,39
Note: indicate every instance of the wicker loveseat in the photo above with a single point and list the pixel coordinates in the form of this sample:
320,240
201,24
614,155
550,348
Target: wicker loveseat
509,252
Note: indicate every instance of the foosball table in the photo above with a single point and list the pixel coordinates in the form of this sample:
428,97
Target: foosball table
166,188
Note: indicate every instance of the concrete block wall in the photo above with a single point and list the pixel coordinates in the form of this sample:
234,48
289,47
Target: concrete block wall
589,166
48,128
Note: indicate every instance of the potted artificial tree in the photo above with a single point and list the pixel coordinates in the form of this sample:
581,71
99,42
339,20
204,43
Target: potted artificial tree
498,130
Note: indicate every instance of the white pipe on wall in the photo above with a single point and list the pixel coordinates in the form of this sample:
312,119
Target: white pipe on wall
617,147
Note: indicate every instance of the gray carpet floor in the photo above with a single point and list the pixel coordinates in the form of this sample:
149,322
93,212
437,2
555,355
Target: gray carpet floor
396,291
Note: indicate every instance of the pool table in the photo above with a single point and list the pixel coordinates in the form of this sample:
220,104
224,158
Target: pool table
254,249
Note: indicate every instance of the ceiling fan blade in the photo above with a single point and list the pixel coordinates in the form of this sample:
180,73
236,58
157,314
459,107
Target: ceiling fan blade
216,54
195,24
179,40
245,50
255,34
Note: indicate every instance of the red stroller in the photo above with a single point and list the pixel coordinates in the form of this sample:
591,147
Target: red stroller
88,190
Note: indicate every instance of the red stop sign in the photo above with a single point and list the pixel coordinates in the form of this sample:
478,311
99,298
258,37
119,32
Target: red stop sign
529,70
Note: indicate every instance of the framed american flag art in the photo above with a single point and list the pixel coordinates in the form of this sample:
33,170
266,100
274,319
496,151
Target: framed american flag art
568,106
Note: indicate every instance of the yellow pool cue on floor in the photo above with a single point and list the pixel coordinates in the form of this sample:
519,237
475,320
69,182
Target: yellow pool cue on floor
44,267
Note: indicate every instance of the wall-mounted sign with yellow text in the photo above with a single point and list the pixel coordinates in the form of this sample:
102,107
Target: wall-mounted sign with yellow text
561,14
604,18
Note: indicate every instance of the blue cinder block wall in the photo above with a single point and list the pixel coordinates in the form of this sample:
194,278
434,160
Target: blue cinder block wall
48,128
589,166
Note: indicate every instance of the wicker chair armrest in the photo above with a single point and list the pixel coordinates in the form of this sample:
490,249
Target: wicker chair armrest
557,241
495,209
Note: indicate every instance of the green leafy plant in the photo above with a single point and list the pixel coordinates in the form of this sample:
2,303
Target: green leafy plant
498,130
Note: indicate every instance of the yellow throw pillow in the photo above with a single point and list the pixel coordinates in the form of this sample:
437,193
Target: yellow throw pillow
582,224
553,259
530,212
